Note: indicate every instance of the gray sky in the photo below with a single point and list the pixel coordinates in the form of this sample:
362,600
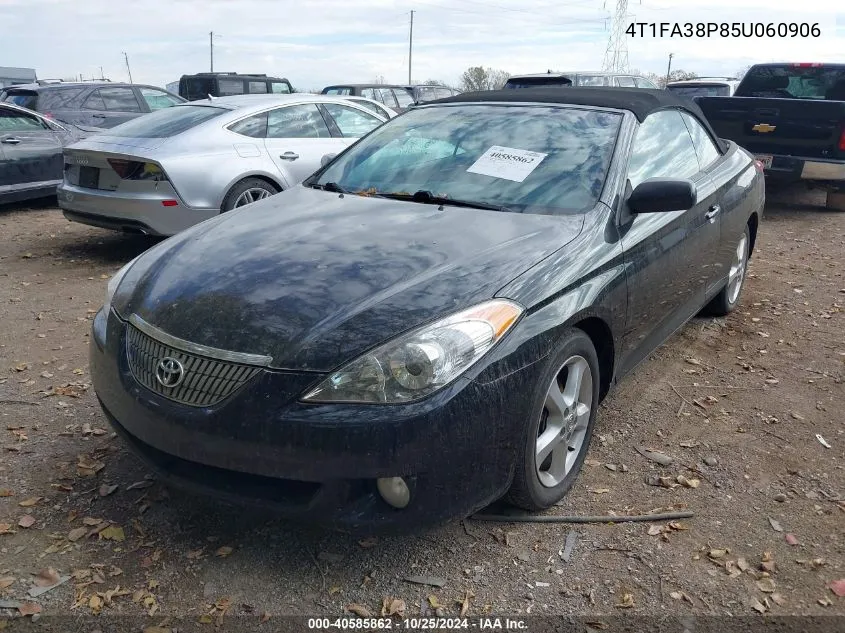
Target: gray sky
328,41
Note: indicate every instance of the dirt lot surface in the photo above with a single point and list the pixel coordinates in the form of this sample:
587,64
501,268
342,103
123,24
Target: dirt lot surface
749,408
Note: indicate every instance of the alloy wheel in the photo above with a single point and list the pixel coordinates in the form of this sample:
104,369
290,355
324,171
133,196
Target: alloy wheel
564,421
737,271
251,195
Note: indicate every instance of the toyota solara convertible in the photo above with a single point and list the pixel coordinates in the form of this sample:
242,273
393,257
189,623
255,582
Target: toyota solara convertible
428,323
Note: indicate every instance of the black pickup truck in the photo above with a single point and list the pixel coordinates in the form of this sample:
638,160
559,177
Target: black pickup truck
792,118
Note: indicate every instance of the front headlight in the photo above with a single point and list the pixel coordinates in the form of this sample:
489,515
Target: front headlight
114,282
422,361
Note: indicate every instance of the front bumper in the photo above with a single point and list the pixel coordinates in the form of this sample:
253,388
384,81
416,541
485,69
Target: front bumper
794,169
319,463
138,212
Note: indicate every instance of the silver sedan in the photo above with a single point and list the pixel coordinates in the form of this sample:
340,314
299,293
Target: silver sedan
166,171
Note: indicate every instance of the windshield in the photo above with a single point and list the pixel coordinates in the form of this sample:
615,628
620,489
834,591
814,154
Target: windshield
527,159
167,122
536,82
702,90
785,81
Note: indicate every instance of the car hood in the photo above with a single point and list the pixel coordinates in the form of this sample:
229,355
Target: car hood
314,279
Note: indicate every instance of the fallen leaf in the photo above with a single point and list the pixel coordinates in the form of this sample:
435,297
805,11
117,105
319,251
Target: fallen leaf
158,629
113,533
392,606
88,466
677,525
687,483
6,528
5,492
6,582
47,577
465,602
692,361
775,525
654,530
106,489
838,587
717,553
778,599
758,606
626,601
599,491
434,602
224,551
367,543
680,595
115,571
591,462
21,367
333,590
742,564
139,485
766,585
359,610
29,608
825,602
91,521
95,604
432,581
26,521
28,503
658,457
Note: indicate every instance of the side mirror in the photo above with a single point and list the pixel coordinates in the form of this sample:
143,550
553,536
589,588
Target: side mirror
326,159
661,195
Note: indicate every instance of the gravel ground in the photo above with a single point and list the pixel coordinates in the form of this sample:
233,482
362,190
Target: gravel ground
749,408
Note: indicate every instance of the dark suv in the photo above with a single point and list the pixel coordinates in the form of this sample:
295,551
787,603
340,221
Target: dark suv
93,104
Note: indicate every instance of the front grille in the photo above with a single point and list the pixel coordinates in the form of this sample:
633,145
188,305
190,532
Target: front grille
207,381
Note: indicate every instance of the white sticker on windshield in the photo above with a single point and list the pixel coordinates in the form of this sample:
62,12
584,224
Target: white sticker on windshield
507,163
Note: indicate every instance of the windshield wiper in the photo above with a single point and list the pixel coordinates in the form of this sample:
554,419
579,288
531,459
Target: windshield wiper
426,197
329,186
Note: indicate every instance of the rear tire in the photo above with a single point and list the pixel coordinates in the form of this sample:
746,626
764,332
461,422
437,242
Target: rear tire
560,425
728,298
836,200
247,191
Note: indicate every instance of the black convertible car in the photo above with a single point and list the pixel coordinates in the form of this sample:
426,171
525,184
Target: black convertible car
429,322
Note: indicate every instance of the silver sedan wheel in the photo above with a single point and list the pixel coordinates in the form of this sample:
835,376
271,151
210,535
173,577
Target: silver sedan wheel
564,421
738,266
251,195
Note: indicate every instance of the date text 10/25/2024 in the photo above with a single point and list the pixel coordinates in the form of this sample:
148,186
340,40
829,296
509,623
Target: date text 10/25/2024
724,29
418,624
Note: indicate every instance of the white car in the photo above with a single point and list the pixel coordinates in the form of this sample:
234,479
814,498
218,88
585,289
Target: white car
704,87
163,172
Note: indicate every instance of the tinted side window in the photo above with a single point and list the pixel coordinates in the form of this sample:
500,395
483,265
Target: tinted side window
403,97
298,121
227,87
279,87
338,91
351,122
94,102
704,146
120,99
625,82
254,126
662,149
256,87
11,121
59,99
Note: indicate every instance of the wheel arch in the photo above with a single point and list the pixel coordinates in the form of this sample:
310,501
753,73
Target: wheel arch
753,224
270,180
601,337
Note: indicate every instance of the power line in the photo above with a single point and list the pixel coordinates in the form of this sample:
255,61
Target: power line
616,55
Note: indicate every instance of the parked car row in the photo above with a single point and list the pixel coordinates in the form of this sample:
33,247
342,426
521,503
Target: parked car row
428,321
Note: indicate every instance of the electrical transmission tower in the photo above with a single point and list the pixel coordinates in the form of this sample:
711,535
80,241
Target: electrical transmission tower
616,55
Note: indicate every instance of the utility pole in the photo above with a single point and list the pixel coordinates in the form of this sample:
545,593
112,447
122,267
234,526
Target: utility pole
126,57
410,47
669,68
102,76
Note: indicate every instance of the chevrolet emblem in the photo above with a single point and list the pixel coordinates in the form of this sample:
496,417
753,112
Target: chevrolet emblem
763,128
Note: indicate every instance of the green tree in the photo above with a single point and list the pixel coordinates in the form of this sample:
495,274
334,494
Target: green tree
480,78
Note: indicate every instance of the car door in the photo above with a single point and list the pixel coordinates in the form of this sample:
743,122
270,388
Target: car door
669,257
352,123
32,152
297,138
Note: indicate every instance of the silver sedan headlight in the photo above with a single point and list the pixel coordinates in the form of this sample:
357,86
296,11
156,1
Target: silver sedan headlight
419,363
114,282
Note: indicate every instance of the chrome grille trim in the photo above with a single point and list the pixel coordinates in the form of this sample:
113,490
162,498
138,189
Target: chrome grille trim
207,382
195,348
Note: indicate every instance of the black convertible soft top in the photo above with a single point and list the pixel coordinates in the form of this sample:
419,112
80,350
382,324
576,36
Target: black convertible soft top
640,101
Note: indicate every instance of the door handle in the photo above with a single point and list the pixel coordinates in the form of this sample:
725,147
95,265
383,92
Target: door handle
713,212
289,156
11,140
98,116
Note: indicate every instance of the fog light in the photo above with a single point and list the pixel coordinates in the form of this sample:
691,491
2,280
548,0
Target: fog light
394,490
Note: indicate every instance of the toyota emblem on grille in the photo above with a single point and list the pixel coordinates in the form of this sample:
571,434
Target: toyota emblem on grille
169,372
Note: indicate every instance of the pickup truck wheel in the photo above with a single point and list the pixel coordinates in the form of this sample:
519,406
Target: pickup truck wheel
559,425
728,298
836,200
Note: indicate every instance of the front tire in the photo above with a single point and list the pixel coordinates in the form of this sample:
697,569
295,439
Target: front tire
728,298
246,192
560,426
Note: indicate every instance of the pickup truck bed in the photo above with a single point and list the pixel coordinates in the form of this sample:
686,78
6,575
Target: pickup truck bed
792,118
